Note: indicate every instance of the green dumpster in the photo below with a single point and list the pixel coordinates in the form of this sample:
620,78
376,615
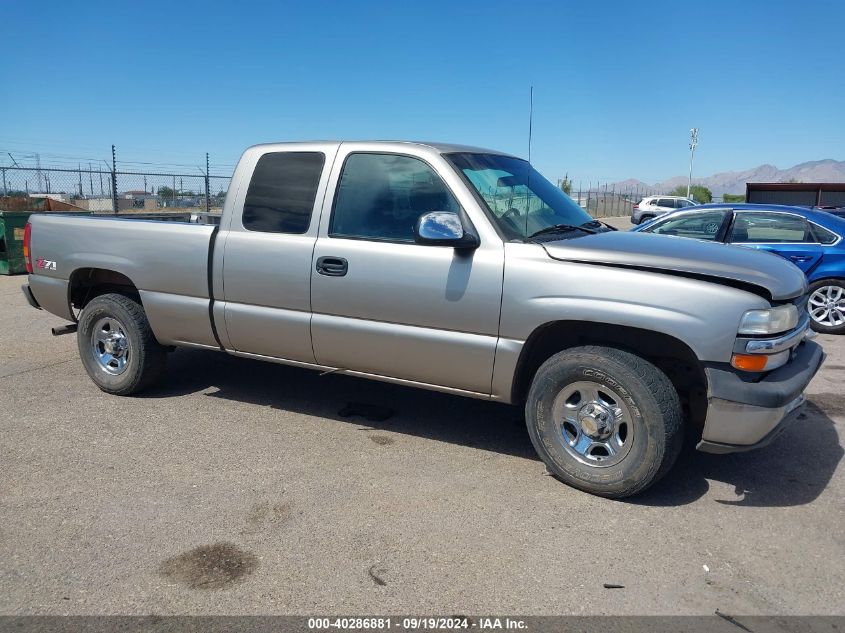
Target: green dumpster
12,224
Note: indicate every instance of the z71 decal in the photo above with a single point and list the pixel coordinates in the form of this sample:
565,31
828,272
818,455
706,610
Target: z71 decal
46,264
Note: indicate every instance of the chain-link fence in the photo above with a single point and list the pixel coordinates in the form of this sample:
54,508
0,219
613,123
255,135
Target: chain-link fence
604,200
105,191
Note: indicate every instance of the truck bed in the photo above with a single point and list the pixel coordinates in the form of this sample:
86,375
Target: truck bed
168,262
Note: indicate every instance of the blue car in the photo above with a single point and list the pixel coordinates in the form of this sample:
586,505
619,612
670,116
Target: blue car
811,239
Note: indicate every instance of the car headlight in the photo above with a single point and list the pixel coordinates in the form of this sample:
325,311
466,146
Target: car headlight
769,321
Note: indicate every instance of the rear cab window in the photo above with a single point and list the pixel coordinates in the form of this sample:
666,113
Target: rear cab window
282,192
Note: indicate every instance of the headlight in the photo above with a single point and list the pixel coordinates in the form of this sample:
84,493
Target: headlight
770,321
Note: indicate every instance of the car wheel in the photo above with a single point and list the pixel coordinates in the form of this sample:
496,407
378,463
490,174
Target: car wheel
604,420
827,306
117,345
646,218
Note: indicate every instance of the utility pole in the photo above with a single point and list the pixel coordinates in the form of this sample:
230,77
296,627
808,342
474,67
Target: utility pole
207,192
693,141
38,166
114,179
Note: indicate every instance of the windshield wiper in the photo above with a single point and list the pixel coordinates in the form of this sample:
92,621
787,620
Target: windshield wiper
559,228
599,223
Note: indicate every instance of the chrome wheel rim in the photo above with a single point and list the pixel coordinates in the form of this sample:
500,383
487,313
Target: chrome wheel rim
827,306
594,424
110,346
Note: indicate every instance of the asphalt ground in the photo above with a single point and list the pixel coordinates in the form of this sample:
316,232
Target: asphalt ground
241,487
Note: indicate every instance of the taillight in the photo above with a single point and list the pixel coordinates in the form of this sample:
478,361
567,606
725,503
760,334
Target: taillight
636,206
27,252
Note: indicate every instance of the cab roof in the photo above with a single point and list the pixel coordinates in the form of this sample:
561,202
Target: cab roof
443,148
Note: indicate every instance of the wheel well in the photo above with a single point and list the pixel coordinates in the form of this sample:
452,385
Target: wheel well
88,283
669,354
815,281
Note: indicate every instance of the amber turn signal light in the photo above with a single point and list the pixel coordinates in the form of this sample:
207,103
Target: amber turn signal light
750,362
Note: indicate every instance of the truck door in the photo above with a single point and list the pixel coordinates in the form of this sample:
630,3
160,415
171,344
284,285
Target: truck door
267,252
384,305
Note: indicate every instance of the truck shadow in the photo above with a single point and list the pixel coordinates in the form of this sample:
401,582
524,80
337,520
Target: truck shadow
793,470
426,414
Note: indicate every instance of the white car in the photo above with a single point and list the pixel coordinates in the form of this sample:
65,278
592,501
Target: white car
649,208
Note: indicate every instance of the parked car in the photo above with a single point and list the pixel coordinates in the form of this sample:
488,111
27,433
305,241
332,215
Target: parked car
454,269
653,206
811,239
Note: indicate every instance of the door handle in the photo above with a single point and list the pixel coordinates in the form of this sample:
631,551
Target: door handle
332,266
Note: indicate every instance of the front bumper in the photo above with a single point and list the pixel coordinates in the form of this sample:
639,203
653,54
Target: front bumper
744,415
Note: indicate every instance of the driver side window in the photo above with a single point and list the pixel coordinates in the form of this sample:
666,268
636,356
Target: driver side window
700,226
380,197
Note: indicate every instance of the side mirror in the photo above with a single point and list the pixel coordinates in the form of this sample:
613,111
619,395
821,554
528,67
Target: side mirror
443,228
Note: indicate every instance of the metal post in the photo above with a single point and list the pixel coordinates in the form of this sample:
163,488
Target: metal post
693,136
91,179
5,191
79,167
114,179
207,199
604,206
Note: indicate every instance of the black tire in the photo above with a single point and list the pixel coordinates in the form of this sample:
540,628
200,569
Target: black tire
144,356
825,328
646,218
652,420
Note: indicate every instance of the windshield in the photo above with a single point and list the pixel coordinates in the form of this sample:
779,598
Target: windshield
520,200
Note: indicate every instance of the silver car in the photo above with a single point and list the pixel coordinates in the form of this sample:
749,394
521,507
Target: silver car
649,208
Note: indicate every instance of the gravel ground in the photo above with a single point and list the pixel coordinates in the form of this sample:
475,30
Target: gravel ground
241,487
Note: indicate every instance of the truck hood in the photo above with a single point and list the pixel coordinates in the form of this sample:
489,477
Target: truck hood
778,278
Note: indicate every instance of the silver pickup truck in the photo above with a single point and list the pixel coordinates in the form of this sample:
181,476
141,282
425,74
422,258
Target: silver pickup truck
456,269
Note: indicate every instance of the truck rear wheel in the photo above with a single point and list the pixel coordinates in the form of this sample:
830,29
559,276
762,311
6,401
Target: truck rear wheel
117,345
603,420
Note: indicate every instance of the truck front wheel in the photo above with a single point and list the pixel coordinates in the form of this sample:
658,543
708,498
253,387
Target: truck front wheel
117,345
604,420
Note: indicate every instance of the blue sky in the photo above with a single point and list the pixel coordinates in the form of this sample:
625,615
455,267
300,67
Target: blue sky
617,85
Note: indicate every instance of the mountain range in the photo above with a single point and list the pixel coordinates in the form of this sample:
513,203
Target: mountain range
826,170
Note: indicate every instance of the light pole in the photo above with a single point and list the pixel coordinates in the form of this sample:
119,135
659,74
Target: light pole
693,141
